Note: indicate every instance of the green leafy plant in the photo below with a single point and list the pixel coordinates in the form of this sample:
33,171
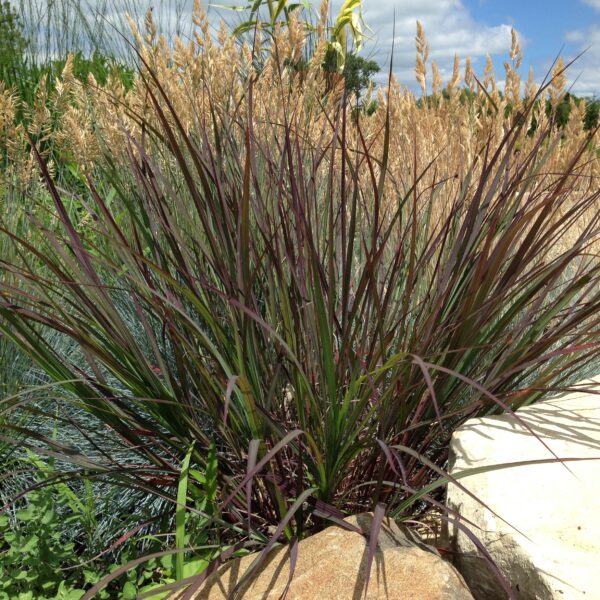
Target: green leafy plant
358,72
348,20
13,44
39,559
99,65
191,528
592,114
34,558
347,27
24,63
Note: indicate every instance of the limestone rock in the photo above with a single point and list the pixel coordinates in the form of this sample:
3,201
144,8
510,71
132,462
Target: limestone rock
331,565
546,537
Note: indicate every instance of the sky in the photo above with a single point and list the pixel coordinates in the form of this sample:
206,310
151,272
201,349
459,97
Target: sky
471,28
475,28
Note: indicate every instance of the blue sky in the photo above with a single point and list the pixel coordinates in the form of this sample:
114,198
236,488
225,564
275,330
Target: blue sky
478,27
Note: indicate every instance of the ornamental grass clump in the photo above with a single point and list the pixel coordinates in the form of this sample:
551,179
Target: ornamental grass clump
284,312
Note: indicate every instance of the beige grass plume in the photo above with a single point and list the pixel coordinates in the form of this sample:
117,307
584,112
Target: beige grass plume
422,56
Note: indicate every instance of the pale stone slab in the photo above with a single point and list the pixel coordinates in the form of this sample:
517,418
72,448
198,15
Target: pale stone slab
550,547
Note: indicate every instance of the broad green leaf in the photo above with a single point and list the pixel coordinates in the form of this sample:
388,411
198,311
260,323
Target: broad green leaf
180,512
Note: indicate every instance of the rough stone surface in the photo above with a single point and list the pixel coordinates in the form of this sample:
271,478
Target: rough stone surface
331,565
546,535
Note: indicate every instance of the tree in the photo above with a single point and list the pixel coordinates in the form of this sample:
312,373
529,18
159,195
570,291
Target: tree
358,73
592,115
12,45
562,111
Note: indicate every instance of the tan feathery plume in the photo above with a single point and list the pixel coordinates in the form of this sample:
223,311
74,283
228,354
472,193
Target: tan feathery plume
67,73
322,22
422,55
198,14
516,55
420,73
10,133
223,34
201,21
8,107
39,114
422,45
150,27
559,81
455,80
469,75
437,83
135,31
489,76
576,116
64,86
296,36
512,83
530,86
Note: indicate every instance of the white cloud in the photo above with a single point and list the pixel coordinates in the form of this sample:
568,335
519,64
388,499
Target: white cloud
593,3
450,29
584,74
574,36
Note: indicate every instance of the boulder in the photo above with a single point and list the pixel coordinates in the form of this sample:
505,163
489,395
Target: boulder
331,565
540,522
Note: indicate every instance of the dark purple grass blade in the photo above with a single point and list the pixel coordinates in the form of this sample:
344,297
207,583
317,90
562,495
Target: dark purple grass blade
419,362
293,561
261,463
378,516
226,401
197,581
283,523
495,399
251,464
392,459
